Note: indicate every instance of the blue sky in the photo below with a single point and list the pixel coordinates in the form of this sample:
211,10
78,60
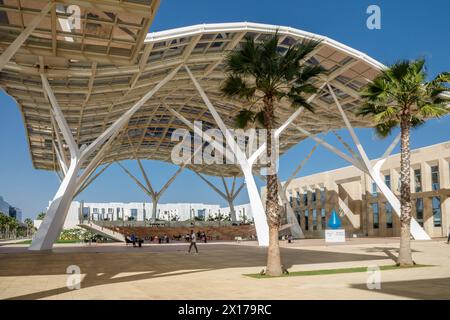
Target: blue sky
410,29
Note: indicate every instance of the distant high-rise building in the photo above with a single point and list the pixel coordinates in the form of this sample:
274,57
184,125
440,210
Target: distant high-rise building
9,210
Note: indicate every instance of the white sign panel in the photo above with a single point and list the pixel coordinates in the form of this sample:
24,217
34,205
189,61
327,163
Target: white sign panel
335,235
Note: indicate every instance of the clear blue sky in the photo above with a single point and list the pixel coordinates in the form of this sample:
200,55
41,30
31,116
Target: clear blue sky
410,29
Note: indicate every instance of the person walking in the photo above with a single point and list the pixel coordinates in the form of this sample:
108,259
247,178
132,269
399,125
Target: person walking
193,240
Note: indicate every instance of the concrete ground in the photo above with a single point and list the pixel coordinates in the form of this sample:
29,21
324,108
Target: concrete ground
165,271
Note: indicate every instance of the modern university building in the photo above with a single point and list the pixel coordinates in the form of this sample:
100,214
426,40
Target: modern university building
97,88
114,212
365,211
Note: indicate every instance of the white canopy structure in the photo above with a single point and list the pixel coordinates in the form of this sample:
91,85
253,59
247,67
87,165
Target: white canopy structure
109,91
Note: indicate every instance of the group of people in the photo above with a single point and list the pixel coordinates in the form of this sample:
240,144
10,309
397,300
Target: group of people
189,237
201,235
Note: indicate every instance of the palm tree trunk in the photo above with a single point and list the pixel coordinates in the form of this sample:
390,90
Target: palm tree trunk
405,255
272,206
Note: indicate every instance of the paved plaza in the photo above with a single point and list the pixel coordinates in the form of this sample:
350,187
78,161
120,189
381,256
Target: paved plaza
166,271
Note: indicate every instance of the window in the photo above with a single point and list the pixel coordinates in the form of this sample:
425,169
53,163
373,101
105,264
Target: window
298,198
305,199
387,180
434,178
134,213
110,210
376,215
95,210
313,197
323,196
374,190
418,180
290,198
314,213
436,209
324,218
419,211
85,212
388,210
306,219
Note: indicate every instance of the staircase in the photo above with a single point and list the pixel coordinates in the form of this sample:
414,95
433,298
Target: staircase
108,233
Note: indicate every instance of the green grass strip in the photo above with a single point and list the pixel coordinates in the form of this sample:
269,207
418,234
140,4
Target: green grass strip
331,271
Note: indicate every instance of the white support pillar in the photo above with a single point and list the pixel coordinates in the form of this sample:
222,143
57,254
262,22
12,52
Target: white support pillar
15,45
247,164
154,195
92,179
228,195
56,214
259,216
62,163
416,230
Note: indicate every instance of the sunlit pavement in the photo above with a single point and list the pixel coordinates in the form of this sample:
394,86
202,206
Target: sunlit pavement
166,271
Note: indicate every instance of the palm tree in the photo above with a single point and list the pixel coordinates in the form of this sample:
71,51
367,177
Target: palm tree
3,224
264,76
401,96
29,223
40,216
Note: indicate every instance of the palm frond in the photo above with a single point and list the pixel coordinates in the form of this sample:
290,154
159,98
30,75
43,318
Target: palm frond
243,118
433,110
300,101
402,93
385,128
234,85
260,118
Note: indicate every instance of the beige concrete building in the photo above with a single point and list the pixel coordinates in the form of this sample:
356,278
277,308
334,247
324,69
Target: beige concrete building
364,210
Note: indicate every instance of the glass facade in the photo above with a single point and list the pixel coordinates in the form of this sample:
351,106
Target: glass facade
388,211
387,180
376,215
306,219
418,180
314,214
434,178
324,218
419,211
374,190
436,209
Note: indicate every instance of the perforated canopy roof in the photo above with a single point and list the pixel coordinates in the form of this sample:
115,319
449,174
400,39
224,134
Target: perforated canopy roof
92,93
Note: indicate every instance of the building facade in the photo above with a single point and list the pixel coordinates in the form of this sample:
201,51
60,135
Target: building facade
140,211
364,210
9,210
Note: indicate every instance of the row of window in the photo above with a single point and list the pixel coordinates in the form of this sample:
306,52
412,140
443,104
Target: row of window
303,198
435,209
417,175
323,219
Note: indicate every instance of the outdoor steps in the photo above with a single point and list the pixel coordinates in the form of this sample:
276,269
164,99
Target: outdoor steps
216,233
106,232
